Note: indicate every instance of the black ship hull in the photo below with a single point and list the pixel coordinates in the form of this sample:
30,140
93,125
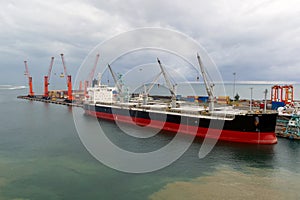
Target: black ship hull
245,128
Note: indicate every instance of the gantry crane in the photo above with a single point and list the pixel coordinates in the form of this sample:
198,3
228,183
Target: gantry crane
68,79
284,93
31,93
47,79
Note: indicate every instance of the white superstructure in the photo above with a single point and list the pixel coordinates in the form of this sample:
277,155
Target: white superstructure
101,93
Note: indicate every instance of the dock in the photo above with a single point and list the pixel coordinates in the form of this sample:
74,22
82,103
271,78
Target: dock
57,101
288,127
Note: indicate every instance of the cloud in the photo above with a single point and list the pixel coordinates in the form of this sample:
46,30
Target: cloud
260,40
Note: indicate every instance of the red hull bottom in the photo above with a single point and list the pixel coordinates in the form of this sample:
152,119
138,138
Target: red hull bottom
225,135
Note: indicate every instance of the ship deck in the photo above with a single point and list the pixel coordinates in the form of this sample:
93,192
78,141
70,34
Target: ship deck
219,113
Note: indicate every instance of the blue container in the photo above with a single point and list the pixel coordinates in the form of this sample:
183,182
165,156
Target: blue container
203,99
276,105
178,97
190,99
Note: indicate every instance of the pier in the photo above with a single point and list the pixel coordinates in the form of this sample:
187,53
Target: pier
57,101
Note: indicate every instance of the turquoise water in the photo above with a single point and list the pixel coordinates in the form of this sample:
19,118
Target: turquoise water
42,157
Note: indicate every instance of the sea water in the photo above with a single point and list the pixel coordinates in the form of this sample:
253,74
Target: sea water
42,157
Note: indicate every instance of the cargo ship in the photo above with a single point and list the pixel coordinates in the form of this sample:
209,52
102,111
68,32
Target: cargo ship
222,123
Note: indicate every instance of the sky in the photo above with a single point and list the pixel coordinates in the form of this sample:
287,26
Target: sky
259,40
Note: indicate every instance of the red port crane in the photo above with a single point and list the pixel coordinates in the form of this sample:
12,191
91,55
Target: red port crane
80,85
31,93
276,93
47,79
91,75
283,93
288,91
68,79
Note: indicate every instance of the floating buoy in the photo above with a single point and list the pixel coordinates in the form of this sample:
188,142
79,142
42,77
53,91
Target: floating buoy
61,75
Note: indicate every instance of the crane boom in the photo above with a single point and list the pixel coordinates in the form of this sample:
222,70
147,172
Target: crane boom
26,69
117,83
92,73
31,93
146,91
64,65
170,86
68,79
115,78
50,68
47,79
208,86
153,83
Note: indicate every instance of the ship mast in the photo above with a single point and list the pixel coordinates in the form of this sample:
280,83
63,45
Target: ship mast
208,86
170,86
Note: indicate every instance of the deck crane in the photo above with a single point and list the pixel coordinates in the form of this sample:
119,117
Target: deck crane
47,79
119,86
91,75
169,84
31,93
208,86
146,91
68,79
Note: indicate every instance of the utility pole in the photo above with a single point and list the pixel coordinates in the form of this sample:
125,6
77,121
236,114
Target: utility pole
251,98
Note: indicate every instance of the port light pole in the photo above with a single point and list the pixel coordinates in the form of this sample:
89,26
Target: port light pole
265,103
251,94
233,94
